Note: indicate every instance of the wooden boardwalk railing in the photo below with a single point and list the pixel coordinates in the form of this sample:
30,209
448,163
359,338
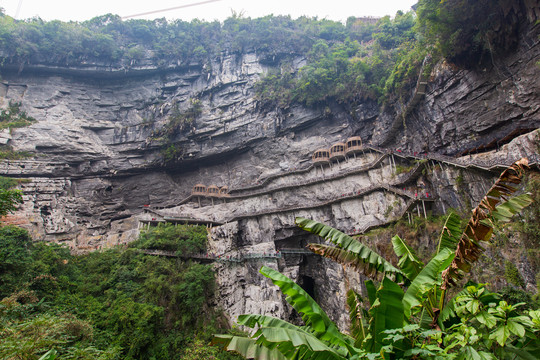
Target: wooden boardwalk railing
278,254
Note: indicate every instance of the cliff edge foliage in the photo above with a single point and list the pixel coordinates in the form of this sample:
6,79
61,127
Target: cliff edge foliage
364,58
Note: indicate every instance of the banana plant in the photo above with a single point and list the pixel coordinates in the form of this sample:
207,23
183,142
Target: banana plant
407,294
480,225
456,250
273,338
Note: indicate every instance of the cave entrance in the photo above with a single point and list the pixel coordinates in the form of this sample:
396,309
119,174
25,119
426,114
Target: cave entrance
308,284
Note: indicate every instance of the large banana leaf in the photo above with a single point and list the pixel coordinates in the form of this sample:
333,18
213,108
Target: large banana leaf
386,313
349,251
426,282
298,344
450,234
247,347
409,263
505,211
371,291
255,320
277,339
315,318
479,230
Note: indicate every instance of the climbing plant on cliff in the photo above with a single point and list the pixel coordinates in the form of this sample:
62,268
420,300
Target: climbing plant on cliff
14,117
177,122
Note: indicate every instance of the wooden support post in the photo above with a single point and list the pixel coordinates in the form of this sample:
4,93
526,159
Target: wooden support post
418,208
424,206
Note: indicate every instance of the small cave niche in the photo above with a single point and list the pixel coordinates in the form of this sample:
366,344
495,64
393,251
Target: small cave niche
308,284
109,189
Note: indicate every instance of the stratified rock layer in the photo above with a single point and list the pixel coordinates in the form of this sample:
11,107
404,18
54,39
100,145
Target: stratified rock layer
99,144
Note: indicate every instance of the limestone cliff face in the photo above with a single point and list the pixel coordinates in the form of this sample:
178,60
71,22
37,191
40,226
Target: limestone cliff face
98,132
470,110
98,160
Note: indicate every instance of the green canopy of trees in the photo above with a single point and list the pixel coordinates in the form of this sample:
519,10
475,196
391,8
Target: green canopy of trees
113,304
363,58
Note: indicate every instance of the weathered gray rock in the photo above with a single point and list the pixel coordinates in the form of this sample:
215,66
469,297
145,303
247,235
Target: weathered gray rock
98,161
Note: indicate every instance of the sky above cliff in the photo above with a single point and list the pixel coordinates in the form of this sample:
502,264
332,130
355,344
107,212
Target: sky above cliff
67,10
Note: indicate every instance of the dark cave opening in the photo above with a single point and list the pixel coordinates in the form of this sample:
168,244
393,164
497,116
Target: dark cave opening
308,284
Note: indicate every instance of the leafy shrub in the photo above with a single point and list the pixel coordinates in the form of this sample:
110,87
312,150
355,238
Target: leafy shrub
15,258
184,239
14,117
108,305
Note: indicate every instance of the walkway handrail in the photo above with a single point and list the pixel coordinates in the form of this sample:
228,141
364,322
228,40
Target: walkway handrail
217,258
345,196
492,165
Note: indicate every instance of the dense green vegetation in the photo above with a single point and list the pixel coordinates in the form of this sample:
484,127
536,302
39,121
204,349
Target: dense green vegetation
9,197
345,62
114,304
109,39
351,69
184,240
382,60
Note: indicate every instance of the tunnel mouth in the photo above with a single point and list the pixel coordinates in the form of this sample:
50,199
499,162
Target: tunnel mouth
308,284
